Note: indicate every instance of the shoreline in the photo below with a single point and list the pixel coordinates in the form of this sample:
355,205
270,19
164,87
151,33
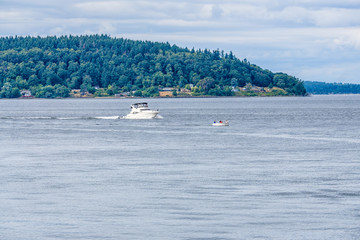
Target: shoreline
181,97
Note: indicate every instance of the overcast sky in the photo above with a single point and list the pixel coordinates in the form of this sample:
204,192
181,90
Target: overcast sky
314,40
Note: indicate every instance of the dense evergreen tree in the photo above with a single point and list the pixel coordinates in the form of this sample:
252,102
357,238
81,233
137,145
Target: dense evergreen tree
88,62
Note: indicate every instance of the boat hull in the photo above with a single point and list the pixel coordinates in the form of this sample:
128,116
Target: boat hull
220,124
142,115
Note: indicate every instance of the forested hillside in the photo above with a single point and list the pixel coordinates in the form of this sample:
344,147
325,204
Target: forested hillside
331,88
52,66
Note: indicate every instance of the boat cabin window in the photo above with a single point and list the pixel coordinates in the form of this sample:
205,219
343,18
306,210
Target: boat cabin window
137,105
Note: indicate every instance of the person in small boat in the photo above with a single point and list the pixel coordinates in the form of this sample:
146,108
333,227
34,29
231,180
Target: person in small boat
220,121
214,121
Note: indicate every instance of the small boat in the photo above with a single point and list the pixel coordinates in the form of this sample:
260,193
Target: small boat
221,123
141,111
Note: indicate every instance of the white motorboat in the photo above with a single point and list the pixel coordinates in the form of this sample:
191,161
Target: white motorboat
141,111
221,123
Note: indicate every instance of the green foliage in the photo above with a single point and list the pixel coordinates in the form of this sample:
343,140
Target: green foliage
61,91
138,93
217,91
331,88
290,84
112,89
100,93
9,91
206,84
48,91
99,61
150,92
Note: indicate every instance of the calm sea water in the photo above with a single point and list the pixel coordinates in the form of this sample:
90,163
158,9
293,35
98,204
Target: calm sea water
285,168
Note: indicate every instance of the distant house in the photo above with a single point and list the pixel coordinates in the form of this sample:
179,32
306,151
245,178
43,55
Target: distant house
26,94
166,92
123,94
235,89
167,89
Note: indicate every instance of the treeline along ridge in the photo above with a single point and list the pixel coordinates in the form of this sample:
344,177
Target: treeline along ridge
331,88
103,65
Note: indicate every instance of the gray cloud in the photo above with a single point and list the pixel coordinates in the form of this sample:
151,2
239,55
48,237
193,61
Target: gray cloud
303,38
